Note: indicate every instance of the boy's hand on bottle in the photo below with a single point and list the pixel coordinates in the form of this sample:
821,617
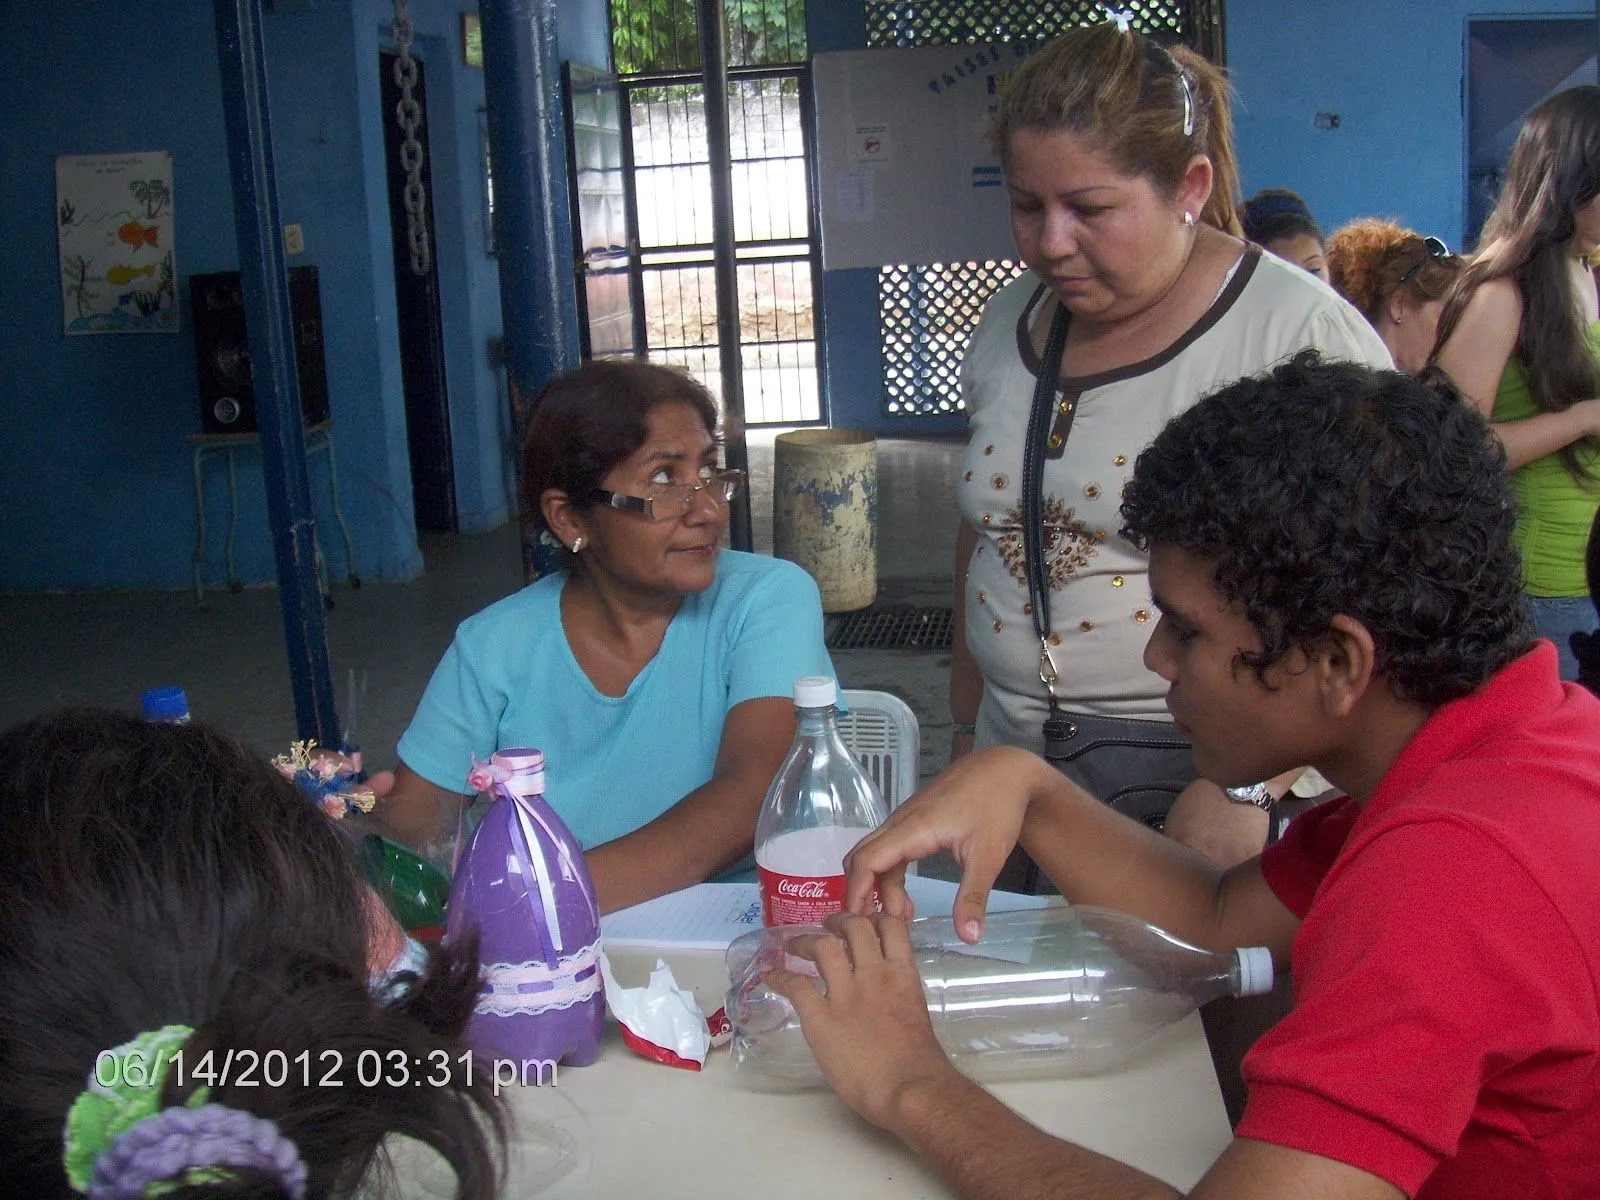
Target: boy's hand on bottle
974,809
870,1033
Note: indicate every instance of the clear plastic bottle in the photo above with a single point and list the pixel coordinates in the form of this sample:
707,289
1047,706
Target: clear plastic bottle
1046,992
821,803
166,704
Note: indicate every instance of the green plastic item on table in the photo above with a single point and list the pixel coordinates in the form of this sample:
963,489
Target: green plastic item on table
415,890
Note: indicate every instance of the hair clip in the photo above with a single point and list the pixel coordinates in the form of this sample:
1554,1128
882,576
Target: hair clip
1188,101
1123,20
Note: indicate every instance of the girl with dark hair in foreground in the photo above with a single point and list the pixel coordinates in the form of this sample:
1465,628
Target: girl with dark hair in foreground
187,953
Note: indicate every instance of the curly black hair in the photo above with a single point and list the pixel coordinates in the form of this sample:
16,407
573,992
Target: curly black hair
1322,488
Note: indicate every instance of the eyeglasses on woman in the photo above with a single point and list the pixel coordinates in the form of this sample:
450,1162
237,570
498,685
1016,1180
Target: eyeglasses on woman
1434,248
673,500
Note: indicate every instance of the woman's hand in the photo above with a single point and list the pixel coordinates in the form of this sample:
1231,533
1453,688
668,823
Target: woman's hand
1204,819
1588,416
974,810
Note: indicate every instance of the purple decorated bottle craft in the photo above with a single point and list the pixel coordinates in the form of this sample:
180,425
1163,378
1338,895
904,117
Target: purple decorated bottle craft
523,884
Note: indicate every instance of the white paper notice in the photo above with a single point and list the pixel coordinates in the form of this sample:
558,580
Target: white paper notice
871,144
853,198
708,916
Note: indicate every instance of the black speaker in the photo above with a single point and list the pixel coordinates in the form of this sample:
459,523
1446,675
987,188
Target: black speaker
222,350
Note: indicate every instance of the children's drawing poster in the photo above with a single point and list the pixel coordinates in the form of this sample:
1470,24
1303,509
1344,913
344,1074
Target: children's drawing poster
114,226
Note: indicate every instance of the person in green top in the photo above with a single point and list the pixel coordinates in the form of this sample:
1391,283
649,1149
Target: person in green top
1519,335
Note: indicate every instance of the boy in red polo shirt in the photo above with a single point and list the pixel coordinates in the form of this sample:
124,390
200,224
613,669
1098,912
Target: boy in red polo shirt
1331,555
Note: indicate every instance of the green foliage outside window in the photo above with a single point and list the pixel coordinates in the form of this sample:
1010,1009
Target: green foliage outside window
653,36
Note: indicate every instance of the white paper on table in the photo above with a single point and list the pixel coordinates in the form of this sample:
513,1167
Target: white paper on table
708,916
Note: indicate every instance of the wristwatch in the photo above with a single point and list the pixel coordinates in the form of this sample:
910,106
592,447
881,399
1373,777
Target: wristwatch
1258,795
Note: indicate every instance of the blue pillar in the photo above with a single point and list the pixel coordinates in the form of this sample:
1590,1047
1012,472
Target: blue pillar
277,389
532,217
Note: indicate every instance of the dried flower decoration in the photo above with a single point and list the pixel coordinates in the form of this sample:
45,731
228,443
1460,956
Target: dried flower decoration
321,774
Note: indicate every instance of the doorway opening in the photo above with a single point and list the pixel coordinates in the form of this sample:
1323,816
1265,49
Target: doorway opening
1513,65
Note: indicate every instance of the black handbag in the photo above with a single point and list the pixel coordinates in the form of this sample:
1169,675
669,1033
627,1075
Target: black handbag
1137,767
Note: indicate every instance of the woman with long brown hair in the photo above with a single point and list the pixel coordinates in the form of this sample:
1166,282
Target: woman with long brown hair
1520,336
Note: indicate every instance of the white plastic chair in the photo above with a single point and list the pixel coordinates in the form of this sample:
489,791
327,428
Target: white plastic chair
882,731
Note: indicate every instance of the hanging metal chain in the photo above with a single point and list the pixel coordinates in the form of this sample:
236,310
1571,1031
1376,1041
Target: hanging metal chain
408,114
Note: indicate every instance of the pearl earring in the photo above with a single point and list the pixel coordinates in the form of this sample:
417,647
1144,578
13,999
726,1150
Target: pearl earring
1188,219
577,544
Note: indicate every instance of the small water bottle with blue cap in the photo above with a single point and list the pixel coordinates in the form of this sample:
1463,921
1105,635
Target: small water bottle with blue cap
168,705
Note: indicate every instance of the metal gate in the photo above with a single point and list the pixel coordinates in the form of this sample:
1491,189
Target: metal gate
666,160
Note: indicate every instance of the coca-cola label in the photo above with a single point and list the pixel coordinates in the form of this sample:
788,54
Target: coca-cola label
799,899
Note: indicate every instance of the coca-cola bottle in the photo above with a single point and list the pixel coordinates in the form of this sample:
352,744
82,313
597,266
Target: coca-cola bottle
821,803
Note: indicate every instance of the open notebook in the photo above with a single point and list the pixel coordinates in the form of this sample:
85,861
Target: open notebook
708,916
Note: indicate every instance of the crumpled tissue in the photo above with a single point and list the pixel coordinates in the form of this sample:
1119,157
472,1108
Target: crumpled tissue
660,1021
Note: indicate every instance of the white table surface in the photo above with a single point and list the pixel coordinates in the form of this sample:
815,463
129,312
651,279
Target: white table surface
627,1127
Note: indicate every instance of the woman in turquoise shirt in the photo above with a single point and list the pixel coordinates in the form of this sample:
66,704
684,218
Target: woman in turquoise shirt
1519,336
654,671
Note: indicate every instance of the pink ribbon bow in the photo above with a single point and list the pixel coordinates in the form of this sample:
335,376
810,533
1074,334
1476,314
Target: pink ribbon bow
484,775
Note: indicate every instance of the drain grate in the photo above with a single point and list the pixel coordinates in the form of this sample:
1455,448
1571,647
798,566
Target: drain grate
891,628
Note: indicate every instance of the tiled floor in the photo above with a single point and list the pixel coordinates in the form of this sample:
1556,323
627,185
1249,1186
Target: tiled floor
104,648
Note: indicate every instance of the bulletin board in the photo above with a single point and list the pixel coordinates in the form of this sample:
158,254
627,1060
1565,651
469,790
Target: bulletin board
906,173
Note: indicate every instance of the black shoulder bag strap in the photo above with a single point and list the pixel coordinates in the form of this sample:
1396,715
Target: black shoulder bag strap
1044,406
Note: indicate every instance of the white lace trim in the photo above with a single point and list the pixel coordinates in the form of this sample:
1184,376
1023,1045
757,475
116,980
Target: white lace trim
510,989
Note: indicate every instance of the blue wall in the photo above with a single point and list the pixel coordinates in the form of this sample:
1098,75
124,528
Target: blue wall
1393,72
98,483
583,32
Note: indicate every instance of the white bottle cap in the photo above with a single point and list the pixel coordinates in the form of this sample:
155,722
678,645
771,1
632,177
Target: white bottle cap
526,765
815,691
1255,970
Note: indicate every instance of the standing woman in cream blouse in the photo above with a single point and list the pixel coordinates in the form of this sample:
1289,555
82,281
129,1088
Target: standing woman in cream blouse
1119,166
